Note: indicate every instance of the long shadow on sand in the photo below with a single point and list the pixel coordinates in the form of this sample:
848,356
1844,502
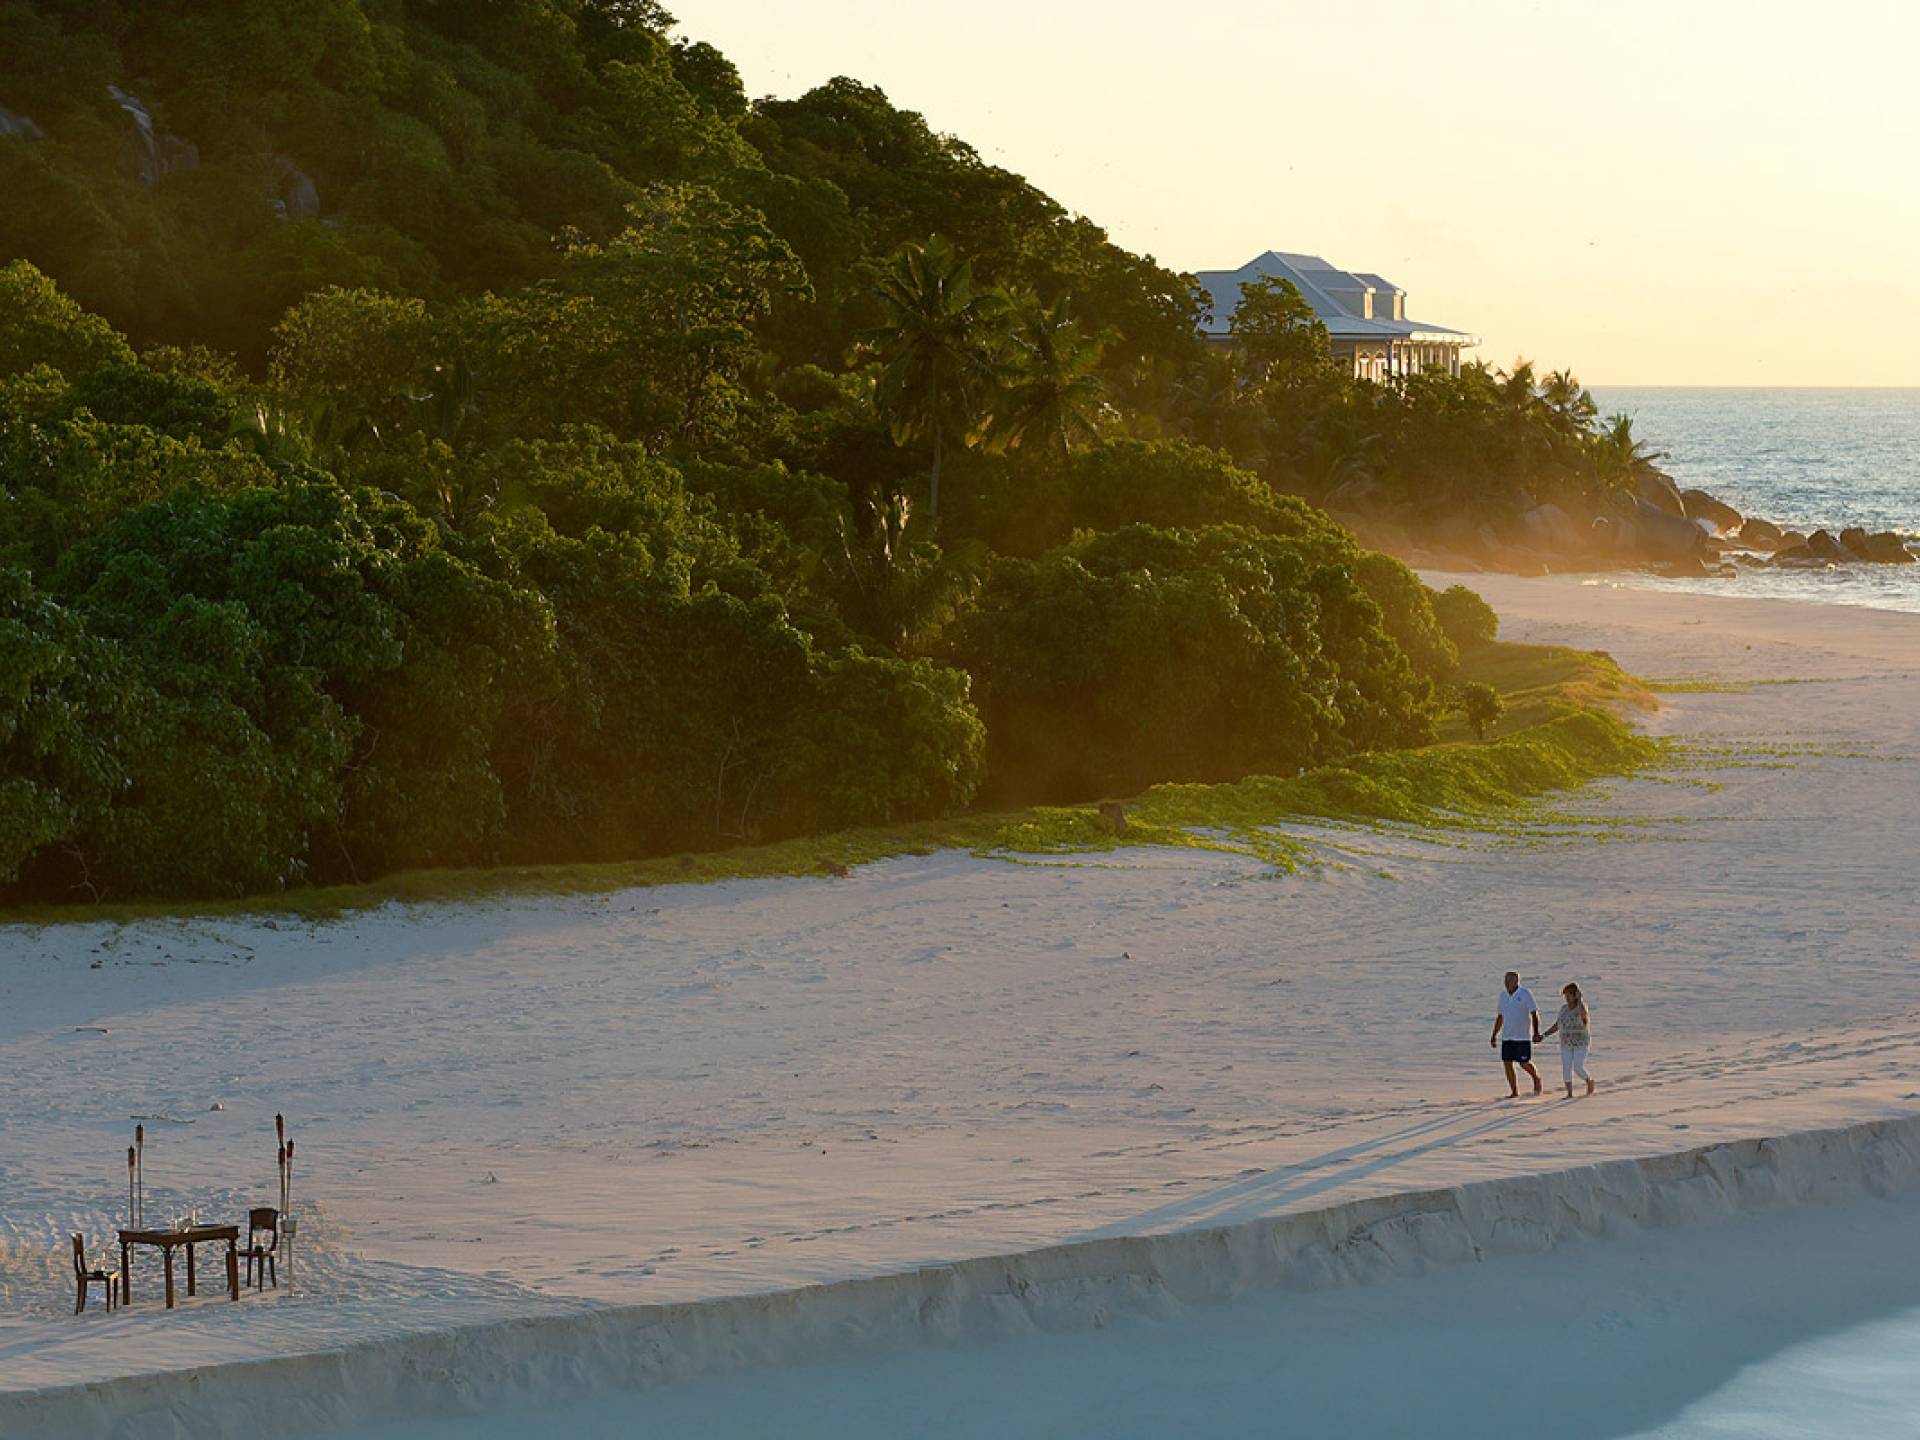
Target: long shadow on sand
1259,1194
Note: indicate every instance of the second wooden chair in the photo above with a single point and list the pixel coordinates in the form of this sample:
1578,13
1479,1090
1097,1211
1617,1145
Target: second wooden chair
260,1258
86,1276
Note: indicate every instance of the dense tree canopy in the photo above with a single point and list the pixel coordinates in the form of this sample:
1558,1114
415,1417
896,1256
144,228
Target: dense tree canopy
442,434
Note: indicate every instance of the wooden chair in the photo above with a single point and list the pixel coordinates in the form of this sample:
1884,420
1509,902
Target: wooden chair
85,1277
260,1258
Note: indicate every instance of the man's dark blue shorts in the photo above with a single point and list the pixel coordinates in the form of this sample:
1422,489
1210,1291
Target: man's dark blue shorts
1516,1050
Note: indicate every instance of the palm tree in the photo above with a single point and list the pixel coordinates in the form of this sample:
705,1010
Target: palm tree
1624,456
898,590
1209,402
1338,446
1053,393
936,347
1567,402
1517,389
445,411
290,435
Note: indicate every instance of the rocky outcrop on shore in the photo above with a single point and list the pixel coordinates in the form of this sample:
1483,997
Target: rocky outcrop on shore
1657,527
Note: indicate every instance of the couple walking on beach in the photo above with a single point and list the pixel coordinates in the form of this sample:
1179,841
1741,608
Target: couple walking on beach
1519,1018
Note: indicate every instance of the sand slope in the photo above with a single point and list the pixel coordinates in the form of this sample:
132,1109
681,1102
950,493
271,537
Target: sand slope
510,1375
682,1093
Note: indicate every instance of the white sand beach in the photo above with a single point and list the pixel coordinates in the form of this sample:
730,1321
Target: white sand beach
523,1108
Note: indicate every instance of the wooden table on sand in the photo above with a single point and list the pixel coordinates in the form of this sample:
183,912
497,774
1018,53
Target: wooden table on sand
167,1241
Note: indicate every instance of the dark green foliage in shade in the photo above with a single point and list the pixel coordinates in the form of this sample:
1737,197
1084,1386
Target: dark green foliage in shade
175,404
364,349
1024,509
687,715
845,144
1487,443
881,740
66,712
1559,740
66,473
710,78
665,730
235,753
1179,484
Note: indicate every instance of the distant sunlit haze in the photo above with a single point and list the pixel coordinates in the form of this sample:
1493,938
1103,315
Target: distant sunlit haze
1682,192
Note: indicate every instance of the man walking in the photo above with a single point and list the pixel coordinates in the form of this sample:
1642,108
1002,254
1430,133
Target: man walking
1518,1016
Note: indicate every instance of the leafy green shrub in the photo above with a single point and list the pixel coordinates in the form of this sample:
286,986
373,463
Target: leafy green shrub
65,473
1482,706
41,326
691,711
664,731
361,347
1467,619
648,335
316,674
881,740
1180,485
176,405
1023,510
1407,608
1209,654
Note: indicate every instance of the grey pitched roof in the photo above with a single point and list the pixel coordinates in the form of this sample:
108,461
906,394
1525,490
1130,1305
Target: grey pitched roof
1378,282
1320,285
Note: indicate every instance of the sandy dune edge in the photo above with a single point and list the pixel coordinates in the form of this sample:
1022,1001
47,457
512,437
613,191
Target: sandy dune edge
1060,1288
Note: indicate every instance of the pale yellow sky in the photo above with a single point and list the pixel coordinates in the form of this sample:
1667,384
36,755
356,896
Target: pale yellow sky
1683,192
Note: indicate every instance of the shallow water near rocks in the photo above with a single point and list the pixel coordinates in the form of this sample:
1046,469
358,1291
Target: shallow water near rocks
1801,458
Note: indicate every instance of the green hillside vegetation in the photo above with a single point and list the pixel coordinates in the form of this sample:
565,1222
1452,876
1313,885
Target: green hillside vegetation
439,435
1563,729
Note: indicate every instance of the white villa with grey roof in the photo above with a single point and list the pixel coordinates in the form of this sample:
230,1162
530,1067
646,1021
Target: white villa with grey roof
1365,315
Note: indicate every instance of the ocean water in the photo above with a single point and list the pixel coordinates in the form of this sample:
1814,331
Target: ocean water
1801,458
1862,1381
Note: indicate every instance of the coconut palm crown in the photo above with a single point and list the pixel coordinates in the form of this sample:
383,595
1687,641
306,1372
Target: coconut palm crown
1053,395
936,348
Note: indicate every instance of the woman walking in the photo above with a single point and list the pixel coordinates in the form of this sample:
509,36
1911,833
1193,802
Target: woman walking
1575,1027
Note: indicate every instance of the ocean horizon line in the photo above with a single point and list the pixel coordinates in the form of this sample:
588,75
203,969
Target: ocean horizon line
1767,389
